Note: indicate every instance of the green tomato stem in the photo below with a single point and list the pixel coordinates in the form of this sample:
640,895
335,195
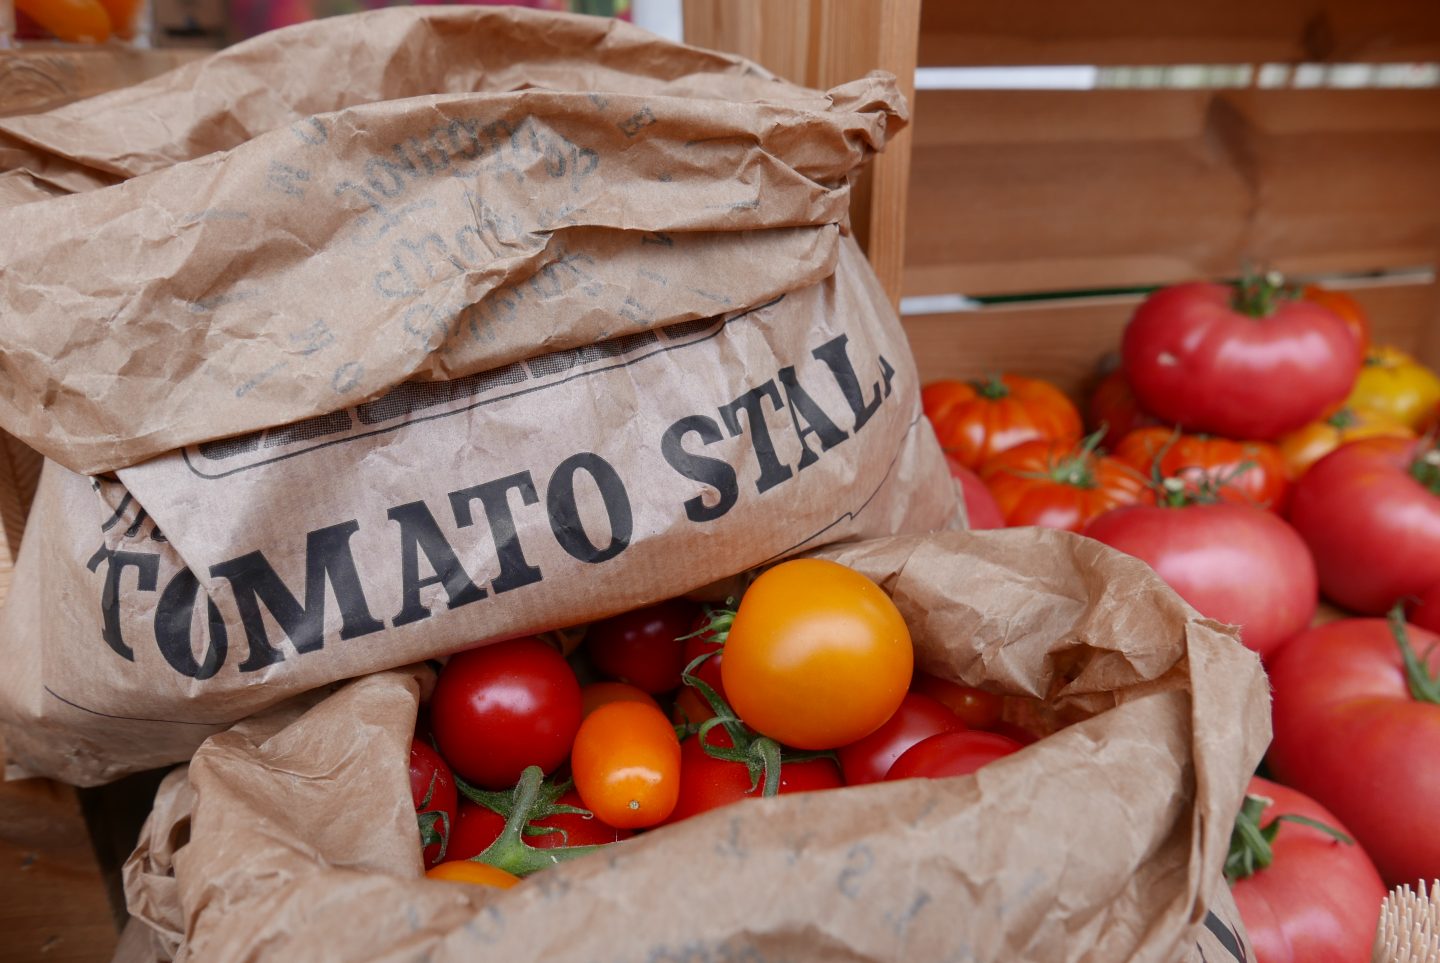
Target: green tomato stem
1252,845
1424,685
509,851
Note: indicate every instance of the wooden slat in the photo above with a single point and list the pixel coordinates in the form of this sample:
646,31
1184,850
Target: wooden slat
1062,341
1126,32
42,78
1023,191
823,43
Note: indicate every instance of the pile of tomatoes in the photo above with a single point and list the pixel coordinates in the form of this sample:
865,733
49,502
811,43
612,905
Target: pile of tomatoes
1262,452
807,684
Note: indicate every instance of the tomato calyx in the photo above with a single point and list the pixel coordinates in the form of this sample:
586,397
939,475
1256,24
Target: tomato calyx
1424,685
1251,845
434,823
532,798
992,388
1259,295
1426,470
1342,419
716,624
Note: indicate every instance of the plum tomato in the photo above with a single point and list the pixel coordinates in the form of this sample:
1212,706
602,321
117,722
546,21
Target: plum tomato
626,762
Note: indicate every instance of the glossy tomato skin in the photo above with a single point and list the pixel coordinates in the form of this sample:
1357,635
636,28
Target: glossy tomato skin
707,783
626,762
579,830
1349,734
432,789
477,827
1305,446
975,420
1319,901
642,647
1234,563
980,509
1243,472
870,758
1373,528
957,753
975,708
1113,408
505,706
1054,501
818,655
597,694
1194,360
476,874
1344,307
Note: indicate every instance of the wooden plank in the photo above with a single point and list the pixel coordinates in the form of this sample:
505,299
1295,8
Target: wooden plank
36,79
1134,32
1023,191
1063,341
821,44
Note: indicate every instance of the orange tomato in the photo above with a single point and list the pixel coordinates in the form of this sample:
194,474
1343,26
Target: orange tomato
1201,460
626,764
1393,384
1306,446
1061,486
818,656
597,694
1345,307
469,871
124,16
73,21
977,419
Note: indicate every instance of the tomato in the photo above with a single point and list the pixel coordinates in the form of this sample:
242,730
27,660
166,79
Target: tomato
690,705
1114,410
818,656
1370,512
948,754
1344,307
1244,472
976,708
1393,384
432,789
1318,900
124,16
1358,730
977,419
1234,563
73,21
1060,486
919,717
1425,611
980,508
578,830
707,783
626,762
597,694
505,706
477,827
478,874
1304,447
642,647
1252,365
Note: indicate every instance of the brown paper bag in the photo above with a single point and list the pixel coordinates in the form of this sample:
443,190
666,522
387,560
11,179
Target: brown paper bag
347,373
1102,842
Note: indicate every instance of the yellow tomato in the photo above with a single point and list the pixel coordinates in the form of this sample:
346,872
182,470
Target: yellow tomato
1305,446
1395,385
74,21
469,871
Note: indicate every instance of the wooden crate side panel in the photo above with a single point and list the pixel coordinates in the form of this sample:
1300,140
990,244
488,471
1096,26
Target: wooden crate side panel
1133,32
1063,342
1024,191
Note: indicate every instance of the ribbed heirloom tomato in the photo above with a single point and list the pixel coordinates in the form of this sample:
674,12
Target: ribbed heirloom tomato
817,656
977,419
1244,472
1114,411
1305,446
1060,486
1395,385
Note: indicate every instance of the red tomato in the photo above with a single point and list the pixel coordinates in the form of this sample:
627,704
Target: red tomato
1054,486
505,706
977,419
951,754
579,830
980,508
1114,410
1252,365
976,708
477,874
626,762
1234,563
477,827
817,656
1344,307
1370,512
919,717
1425,611
597,694
1319,900
1244,472
432,789
1351,733
641,647
707,783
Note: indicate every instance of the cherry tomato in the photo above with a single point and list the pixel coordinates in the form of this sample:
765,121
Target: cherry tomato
980,508
1304,447
1056,486
977,419
1344,307
641,647
1244,472
123,16
626,762
919,717
1114,409
477,827
432,788
578,830
951,754
505,706
597,694
469,871
707,783
73,21
976,708
818,656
